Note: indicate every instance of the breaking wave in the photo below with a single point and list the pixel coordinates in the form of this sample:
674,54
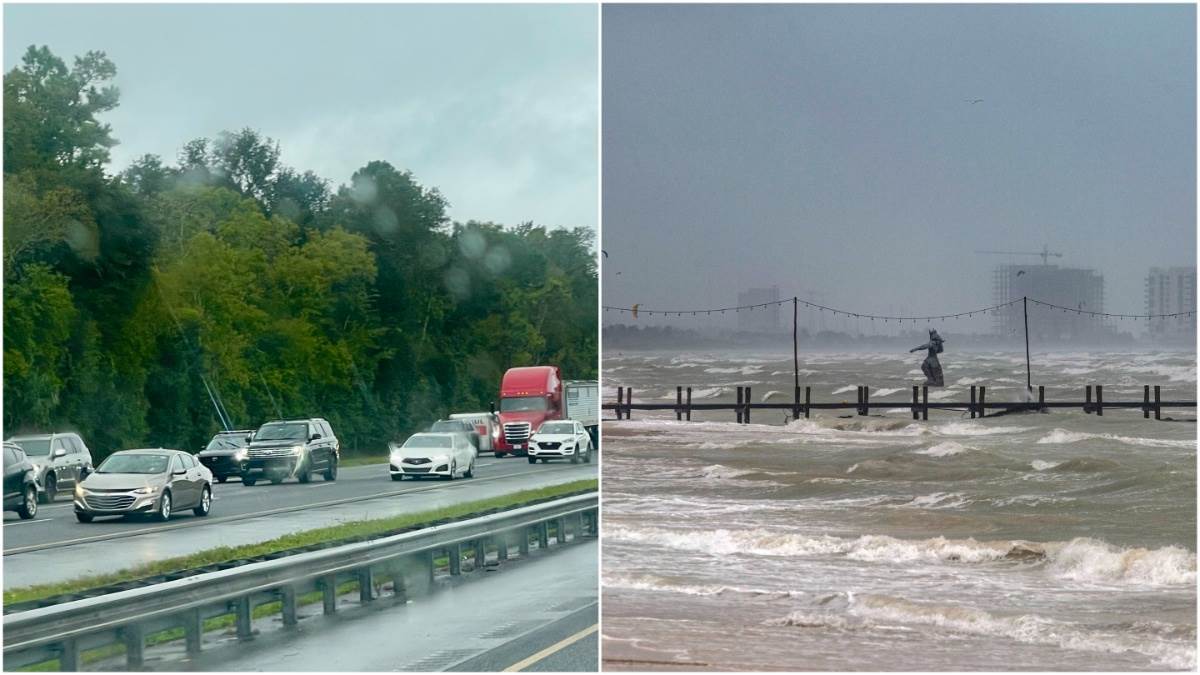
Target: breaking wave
1064,436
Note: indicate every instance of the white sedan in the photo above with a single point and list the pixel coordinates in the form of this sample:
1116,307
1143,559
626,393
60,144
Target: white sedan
561,439
432,454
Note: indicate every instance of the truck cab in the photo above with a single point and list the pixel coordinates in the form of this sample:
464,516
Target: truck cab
529,396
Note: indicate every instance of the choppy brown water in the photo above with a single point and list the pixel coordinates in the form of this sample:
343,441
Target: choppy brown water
1056,541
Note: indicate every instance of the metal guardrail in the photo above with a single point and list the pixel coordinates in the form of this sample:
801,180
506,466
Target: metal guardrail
66,630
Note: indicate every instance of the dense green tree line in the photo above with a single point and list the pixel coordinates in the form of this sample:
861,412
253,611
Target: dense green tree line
133,300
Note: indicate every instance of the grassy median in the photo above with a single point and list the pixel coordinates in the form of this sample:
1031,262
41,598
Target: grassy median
296,540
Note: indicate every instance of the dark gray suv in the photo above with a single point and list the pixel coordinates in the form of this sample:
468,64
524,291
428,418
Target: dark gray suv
60,461
286,448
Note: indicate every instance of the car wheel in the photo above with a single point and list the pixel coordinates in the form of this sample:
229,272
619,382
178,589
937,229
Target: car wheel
83,517
205,504
575,456
51,490
453,470
397,476
533,460
29,508
249,481
222,479
470,470
164,507
587,456
331,471
304,473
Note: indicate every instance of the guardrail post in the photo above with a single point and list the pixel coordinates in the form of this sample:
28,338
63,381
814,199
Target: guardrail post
925,401
480,554
1100,400
454,552
135,645
399,583
287,605
502,546
1157,404
242,613
523,544
329,591
1145,401
580,528
563,531
69,658
193,632
543,535
366,585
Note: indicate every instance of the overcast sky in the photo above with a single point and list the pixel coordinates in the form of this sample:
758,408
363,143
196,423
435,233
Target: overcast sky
495,105
833,151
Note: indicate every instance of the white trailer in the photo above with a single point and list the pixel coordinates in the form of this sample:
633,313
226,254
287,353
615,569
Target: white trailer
581,402
487,427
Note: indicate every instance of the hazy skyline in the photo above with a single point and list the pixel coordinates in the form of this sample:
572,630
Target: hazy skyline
840,152
494,105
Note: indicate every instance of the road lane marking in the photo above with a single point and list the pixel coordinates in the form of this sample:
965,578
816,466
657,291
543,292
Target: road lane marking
27,522
260,514
552,649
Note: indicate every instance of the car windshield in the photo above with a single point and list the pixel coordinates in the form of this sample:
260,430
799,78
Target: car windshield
226,442
557,428
134,463
523,403
281,432
427,442
33,446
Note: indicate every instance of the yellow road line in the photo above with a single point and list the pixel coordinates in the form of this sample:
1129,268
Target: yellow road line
556,647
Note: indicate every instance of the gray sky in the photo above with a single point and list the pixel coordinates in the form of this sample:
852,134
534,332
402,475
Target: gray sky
831,150
495,105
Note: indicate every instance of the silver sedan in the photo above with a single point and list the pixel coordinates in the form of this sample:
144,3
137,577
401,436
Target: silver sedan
152,482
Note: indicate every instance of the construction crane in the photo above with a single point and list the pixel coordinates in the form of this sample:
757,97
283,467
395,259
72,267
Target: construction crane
1045,253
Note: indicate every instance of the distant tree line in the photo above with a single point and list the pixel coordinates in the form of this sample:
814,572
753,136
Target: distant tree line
134,300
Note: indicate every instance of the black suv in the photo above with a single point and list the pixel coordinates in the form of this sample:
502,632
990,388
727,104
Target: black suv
226,454
285,448
20,482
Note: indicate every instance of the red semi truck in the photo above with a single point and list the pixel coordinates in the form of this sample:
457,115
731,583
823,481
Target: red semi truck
532,395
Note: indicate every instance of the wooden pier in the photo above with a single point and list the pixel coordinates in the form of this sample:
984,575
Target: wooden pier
977,406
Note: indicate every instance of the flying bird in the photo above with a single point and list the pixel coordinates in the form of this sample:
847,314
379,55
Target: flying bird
1020,272
635,310
973,101
604,252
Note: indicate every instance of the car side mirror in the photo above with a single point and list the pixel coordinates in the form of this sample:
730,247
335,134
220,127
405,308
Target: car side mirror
59,453
492,407
180,472
314,437
85,472
249,437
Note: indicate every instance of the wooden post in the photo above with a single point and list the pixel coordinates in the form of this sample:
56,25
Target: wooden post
620,400
796,404
858,400
866,399
629,403
916,404
1087,399
925,402
795,352
807,401
678,403
982,396
1145,401
1041,396
689,404
739,405
1157,404
1100,400
972,402
746,416
1028,377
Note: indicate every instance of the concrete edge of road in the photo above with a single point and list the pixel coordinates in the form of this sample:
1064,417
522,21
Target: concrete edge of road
537,644
223,519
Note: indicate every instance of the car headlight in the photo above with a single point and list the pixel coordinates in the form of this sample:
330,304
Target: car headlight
145,490
241,455
297,449
79,491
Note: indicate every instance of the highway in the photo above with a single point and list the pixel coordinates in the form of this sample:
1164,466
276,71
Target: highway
539,614
55,547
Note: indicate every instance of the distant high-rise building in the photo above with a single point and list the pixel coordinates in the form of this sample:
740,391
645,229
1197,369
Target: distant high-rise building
1172,290
1074,288
761,319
